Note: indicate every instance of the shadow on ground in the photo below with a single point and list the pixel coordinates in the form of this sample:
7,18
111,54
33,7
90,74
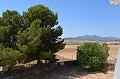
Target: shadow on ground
46,72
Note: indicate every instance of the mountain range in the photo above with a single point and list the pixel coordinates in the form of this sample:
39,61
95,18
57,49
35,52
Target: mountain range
93,38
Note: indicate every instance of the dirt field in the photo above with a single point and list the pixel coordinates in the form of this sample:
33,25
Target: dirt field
62,71
70,53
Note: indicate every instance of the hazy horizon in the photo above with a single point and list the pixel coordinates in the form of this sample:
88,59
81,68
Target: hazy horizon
79,17
93,35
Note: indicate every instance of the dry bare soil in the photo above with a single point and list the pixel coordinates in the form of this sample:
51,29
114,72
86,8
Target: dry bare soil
65,71
70,53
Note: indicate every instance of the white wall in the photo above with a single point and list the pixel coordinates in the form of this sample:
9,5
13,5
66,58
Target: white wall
114,1
117,67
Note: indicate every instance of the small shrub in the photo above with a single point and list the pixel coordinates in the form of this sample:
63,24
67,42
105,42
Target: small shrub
92,55
8,57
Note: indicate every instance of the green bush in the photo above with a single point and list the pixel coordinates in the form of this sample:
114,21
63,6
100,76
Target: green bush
9,57
92,55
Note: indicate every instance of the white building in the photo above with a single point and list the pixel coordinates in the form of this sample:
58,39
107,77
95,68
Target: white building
114,2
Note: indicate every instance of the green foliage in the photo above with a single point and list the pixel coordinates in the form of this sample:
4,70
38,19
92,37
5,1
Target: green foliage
40,36
31,36
42,13
46,55
92,55
4,31
10,22
8,56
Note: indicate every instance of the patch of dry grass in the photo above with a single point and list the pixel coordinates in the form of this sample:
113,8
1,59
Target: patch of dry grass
69,53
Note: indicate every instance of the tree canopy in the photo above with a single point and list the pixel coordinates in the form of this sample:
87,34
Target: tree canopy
35,35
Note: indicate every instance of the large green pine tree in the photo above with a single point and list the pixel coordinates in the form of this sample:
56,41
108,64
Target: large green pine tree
40,36
35,35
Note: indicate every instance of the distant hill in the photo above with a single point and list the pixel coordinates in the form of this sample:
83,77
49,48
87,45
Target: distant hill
93,38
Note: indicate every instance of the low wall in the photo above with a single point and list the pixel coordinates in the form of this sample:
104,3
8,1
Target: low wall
117,67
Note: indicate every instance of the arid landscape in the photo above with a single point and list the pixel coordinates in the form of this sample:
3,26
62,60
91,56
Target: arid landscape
64,71
69,53
59,39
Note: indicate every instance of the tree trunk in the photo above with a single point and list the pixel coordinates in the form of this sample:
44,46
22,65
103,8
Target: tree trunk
39,62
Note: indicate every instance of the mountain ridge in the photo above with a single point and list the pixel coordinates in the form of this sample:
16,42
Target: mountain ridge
93,38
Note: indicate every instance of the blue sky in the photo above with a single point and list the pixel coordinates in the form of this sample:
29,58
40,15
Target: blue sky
77,17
